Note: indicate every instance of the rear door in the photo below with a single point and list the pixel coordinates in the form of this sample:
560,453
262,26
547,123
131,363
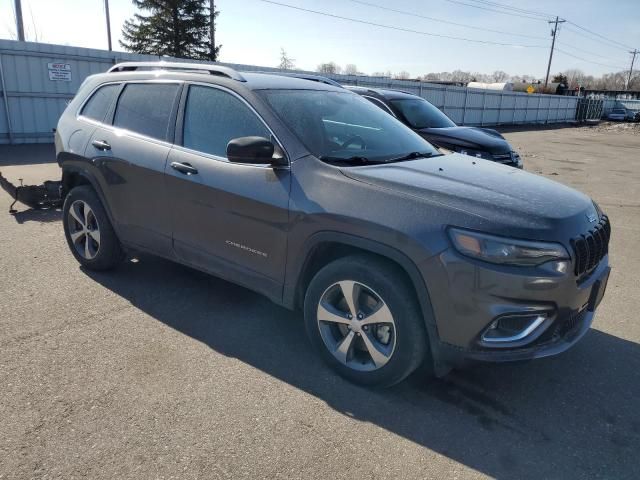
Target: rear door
131,152
228,218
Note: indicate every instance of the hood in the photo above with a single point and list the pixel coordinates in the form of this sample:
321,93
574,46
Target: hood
502,197
468,137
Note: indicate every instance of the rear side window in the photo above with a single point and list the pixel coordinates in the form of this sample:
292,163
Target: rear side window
212,117
98,105
145,108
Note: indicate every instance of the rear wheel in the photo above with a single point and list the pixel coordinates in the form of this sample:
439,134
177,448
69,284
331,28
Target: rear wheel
88,230
362,315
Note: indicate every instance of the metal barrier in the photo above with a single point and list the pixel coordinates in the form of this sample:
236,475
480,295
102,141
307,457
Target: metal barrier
589,109
38,80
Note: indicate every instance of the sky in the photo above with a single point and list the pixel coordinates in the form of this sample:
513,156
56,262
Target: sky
253,32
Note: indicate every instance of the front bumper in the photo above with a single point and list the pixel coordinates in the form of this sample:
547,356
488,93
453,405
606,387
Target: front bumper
468,295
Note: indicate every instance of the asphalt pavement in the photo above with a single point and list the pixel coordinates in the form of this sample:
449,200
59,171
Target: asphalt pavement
155,370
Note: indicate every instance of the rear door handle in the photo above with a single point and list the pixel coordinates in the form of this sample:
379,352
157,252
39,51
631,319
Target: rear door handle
185,168
101,144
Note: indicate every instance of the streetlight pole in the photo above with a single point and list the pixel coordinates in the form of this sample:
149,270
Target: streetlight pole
19,23
553,44
106,12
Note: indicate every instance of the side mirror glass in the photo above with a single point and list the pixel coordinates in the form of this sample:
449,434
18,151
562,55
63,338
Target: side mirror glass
251,150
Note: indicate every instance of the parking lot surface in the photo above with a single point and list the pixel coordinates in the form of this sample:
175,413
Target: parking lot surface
155,370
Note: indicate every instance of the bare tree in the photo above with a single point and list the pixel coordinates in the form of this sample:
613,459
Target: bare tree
330,67
350,69
403,75
499,76
286,62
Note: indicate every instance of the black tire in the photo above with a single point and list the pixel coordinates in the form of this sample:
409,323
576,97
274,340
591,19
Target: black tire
108,252
390,284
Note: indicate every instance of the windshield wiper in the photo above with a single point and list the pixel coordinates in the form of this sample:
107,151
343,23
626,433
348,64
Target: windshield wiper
354,159
412,156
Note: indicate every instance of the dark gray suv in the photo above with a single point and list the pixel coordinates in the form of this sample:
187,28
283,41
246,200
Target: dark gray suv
398,255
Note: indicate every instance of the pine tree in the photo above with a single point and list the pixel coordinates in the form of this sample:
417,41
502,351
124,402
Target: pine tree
176,28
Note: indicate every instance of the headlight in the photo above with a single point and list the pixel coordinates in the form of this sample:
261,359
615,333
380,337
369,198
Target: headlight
506,251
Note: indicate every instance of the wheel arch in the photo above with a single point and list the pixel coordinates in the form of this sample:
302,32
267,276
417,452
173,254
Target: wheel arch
324,247
74,175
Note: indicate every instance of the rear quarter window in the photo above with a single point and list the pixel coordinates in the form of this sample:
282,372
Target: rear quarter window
98,104
145,108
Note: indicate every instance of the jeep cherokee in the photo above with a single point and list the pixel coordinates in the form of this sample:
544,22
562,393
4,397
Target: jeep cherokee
398,256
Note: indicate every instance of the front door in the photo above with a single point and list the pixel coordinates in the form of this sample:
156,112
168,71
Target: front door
228,218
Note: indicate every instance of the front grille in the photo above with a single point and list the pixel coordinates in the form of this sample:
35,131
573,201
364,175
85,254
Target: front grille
502,157
590,247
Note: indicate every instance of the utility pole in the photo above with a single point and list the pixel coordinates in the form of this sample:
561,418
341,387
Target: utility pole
553,44
19,24
212,28
633,59
106,13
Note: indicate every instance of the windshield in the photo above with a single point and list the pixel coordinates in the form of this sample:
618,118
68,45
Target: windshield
421,114
342,126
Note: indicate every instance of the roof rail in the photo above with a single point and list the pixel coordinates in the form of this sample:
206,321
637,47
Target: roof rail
303,76
192,67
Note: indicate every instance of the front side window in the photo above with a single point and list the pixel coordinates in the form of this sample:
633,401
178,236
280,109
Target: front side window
98,105
213,117
421,114
145,108
336,126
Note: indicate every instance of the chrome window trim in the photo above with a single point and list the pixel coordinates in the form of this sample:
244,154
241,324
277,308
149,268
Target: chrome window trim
381,103
225,159
79,115
122,131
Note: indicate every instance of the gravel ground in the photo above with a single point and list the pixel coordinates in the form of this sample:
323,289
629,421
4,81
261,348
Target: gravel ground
157,371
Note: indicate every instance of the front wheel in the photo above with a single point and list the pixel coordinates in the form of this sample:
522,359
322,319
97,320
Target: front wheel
362,316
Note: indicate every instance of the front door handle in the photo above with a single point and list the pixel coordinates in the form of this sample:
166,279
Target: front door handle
101,144
185,168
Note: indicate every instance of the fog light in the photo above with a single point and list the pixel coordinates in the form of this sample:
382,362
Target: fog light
512,328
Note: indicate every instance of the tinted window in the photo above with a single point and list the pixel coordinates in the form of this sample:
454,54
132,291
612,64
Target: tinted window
212,117
145,108
421,114
343,125
98,105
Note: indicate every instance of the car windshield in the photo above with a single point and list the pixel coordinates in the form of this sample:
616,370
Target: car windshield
421,114
344,127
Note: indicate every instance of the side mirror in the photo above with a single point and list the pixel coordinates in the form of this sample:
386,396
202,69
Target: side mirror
251,150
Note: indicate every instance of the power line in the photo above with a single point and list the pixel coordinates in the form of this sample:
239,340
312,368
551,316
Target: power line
588,52
546,16
404,12
400,29
529,13
598,35
590,61
498,11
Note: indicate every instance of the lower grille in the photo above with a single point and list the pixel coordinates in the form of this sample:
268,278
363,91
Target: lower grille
570,324
502,157
591,247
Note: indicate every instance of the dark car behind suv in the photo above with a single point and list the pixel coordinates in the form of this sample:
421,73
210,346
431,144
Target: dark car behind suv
438,129
399,256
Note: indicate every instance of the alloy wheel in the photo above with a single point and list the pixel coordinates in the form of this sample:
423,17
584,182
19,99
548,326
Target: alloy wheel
84,229
356,325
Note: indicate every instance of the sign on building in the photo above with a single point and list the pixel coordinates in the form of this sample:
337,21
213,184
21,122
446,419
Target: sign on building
59,72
